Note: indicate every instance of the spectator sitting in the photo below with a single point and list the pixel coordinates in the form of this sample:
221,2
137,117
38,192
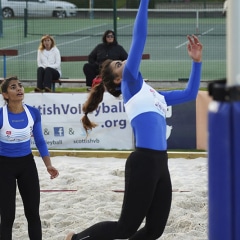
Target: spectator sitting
49,64
108,49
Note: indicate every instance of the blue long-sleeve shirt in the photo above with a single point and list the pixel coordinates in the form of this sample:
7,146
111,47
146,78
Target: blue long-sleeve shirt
16,131
145,107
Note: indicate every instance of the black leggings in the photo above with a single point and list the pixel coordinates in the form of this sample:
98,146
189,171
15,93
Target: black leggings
45,77
148,193
23,171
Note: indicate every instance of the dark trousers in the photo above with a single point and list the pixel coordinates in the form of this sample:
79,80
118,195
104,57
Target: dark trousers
148,194
21,172
91,71
45,77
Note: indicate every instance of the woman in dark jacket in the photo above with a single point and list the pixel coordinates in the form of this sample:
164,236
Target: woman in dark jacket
108,49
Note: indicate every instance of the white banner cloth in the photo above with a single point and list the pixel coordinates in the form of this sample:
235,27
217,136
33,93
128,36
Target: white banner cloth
61,114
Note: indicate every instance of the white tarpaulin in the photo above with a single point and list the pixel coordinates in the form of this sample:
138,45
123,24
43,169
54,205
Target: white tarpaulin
62,129
61,114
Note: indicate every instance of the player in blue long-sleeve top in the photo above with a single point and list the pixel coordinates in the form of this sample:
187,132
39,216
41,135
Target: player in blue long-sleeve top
18,123
148,190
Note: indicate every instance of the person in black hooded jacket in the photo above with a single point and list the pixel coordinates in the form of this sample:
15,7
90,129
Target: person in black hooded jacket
108,49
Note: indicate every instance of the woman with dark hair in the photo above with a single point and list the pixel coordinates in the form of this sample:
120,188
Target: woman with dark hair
18,123
148,189
108,49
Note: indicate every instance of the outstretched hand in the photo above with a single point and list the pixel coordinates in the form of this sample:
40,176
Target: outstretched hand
194,48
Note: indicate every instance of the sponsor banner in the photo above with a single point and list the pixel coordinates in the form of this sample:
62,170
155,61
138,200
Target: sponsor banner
62,129
61,115
62,112
181,125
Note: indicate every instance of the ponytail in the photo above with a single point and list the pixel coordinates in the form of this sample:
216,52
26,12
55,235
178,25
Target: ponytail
96,93
94,98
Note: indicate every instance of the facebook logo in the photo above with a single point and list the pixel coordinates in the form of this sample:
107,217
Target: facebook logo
58,131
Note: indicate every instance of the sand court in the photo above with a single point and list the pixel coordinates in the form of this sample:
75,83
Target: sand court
89,190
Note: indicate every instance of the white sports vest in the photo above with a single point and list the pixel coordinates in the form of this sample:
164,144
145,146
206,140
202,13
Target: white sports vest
147,100
8,134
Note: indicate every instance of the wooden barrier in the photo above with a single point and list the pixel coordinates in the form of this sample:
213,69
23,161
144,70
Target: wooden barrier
84,58
5,53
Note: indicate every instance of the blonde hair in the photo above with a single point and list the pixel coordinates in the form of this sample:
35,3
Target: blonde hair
41,45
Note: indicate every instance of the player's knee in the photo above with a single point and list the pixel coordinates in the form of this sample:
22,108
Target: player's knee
155,234
127,231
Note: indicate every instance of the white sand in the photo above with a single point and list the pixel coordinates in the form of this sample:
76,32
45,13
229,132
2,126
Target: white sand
94,201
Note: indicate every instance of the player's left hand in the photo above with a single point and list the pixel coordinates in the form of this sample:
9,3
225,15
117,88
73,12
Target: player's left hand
194,48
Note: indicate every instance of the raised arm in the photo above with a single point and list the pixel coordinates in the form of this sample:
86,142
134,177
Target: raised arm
194,49
132,80
139,39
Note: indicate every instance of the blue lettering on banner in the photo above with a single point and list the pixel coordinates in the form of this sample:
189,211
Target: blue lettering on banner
115,123
50,143
86,140
65,109
60,109
58,131
104,108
